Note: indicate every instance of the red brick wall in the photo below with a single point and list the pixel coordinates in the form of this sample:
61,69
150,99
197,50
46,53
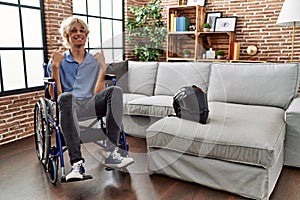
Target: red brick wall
16,113
256,25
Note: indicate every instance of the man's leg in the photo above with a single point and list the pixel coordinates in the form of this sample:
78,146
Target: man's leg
109,103
69,125
70,130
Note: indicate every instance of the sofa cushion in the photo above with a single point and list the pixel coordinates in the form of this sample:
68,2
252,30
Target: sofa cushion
141,77
172,76
235,132
259,84
120,69
129,96
158,106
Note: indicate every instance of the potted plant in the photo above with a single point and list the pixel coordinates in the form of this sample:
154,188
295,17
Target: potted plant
206,27
186,53
220,54
147,31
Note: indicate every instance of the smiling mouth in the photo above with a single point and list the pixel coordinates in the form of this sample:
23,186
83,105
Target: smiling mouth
79,39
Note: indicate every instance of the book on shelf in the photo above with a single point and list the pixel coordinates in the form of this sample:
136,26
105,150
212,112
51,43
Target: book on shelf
173,20
182,23
235,50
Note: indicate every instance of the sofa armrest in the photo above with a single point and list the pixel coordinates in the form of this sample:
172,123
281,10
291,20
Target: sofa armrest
292,114
292,141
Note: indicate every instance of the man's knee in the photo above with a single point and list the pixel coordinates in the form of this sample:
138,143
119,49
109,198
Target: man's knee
116,90
65,98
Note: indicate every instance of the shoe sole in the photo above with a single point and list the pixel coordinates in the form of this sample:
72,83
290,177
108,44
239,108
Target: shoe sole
84,177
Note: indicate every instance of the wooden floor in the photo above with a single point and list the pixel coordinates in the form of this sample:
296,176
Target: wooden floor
22,177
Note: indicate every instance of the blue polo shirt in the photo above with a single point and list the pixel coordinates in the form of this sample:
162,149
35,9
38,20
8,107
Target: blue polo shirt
79,79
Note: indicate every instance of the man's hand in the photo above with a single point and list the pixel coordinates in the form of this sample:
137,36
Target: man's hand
100,58
57,58
100,84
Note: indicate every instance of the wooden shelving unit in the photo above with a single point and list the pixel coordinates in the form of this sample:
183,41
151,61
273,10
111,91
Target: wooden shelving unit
196,41
177,42
217,41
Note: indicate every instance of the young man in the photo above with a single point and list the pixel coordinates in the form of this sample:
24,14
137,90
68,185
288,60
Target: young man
80,79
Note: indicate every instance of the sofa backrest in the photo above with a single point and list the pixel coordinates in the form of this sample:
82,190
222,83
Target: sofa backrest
141,77
257,84
172,76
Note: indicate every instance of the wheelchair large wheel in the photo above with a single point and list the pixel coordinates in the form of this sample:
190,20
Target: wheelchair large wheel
41,131
52,169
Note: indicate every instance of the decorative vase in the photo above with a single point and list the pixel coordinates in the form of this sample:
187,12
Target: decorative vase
210,54
220,57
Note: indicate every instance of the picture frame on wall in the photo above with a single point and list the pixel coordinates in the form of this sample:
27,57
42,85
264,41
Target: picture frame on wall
211,19
225,24
196,2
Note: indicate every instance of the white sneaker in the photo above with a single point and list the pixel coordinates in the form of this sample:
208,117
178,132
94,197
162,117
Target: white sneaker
115,160
77,171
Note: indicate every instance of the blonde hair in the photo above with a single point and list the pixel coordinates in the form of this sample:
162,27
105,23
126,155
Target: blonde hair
66,26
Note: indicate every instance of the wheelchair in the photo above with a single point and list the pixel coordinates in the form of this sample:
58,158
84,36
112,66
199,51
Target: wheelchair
49,148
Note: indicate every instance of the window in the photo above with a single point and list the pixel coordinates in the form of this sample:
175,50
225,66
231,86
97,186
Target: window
22,46
106,22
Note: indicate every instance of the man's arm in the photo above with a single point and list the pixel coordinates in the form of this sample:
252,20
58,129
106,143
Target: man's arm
100,83
57,58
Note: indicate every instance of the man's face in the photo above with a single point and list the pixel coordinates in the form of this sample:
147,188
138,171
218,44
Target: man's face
77,35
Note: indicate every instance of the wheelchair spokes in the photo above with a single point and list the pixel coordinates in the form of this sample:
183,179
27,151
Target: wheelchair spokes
41,132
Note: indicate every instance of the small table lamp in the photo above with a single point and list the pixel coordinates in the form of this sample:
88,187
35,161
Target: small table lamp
290,16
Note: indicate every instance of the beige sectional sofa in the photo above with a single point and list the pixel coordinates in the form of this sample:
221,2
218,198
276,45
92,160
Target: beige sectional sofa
252,130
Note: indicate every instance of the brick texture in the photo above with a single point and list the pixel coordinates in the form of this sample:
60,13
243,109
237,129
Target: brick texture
16,113
256,25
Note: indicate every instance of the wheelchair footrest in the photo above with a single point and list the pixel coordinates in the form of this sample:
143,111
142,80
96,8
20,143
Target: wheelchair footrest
85,177
118,169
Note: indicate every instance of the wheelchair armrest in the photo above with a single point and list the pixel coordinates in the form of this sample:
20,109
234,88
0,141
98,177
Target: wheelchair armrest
49,80
110,76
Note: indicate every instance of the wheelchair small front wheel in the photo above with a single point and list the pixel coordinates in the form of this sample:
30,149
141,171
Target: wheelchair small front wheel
52,169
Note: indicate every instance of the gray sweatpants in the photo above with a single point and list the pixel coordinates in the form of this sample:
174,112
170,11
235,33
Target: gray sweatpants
108,103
